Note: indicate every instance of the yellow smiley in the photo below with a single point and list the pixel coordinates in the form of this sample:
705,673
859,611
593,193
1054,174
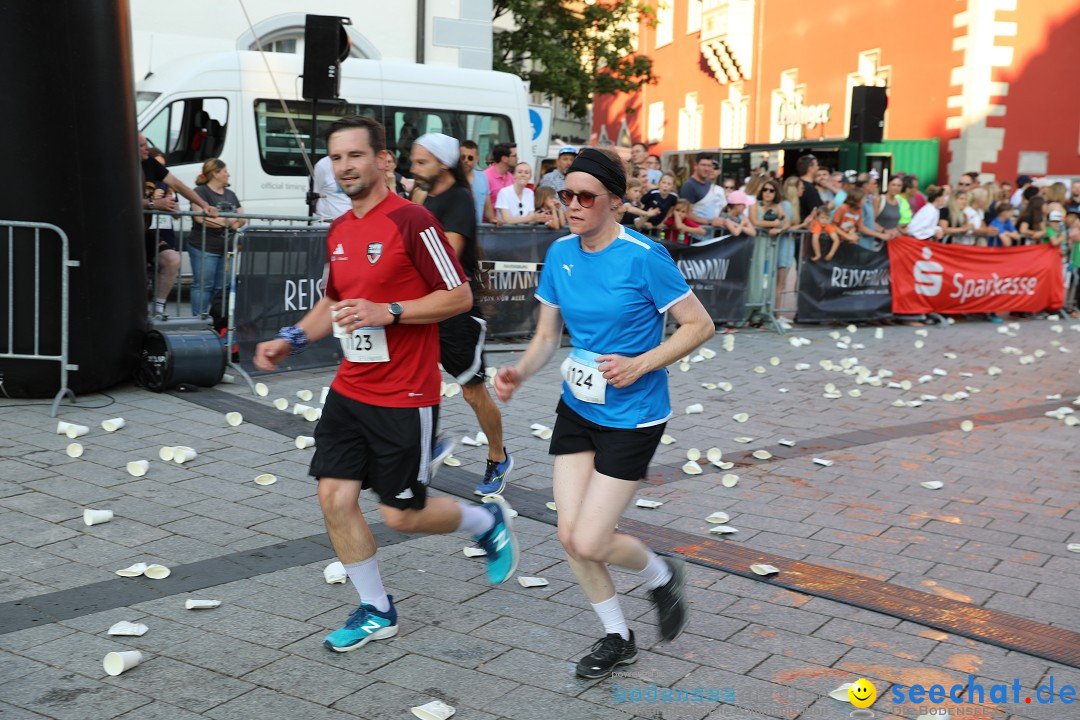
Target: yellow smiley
862,693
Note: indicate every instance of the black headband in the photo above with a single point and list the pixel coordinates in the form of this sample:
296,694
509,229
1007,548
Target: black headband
593,162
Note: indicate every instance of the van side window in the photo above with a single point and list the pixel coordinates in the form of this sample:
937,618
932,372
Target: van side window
279,151
190,130
404,125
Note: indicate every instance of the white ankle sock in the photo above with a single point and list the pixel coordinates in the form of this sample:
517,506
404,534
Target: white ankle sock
159,304
656,573
366,579
475,520
611,616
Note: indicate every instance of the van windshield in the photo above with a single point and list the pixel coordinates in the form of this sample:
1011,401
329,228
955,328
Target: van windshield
280,154
143,99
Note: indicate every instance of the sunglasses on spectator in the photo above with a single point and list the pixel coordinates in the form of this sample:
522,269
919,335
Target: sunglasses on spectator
468,157
585,198
766,189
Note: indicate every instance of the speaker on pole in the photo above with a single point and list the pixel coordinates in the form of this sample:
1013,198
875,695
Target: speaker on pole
867,114
326,45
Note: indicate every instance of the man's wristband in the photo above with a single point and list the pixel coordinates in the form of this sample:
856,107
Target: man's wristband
296,337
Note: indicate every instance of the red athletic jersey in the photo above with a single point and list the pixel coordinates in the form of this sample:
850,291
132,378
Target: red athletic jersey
396,252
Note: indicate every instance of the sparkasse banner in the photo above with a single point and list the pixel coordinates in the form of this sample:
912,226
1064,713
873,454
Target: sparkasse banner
931,277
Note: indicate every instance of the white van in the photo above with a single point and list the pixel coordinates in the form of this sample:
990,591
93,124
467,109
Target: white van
226,106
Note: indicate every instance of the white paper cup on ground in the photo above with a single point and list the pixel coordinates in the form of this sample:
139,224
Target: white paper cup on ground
261,389
192,604
112,425
132,570
157,572
300,409
695,409
129,629
305,395
119,662
76,431
434,710
234,418
281,404
334,573
312,414
62,427
96,517
718,517
138,468
304,441
182,454
167,453
74,450
265,479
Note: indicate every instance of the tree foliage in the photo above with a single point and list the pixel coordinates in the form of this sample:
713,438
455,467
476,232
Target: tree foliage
572,49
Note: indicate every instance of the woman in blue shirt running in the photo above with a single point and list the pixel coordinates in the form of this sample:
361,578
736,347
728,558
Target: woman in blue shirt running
611,286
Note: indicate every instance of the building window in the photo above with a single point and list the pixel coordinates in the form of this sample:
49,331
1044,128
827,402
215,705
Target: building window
656,122
693,16
733,115
665,23
690,123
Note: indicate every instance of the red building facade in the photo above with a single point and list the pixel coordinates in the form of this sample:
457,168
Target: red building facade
993,80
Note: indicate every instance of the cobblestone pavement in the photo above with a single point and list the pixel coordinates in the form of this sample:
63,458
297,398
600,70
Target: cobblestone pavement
994,535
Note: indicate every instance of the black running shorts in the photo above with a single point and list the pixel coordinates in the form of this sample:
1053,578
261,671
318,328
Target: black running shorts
461,347
387,450
620,453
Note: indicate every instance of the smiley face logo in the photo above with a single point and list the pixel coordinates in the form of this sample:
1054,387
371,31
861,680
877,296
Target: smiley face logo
862,693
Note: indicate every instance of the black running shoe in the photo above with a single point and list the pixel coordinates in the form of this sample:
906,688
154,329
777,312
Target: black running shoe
672,608
607,654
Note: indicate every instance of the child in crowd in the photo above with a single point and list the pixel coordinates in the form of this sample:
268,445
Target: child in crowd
548,208
848,219
632,213
680,228
1007,234
819,223
663,199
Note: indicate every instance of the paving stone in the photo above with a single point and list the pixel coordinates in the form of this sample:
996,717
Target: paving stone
183,685
308,680
10,712
31,531
443,680
232,657
383,700
787,644
158,710
531,703
508,631
13,666
770,615
267,703
67,696
856,634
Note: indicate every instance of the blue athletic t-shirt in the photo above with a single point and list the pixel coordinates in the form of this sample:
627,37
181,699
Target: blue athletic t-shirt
613,302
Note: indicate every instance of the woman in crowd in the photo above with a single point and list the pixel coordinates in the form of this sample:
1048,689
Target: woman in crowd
1056,199
1032,223
954,222
893,210
208,244
516,203
771,217
925,224
612,287
549,207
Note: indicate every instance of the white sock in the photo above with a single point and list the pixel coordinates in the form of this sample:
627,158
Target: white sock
366,579
611,616
656,573
475,520
159,304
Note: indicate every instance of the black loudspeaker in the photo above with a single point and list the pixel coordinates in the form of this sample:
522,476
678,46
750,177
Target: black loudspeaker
868,114
192,357
326,44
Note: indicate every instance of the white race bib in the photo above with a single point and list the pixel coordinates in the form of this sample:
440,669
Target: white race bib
366,345
584,378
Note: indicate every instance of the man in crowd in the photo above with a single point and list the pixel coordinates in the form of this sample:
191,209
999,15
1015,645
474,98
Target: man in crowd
706,198
1022,183
461,338
332,201
1073,203
556,177
806,167
391,277
501,172
485,210
652,164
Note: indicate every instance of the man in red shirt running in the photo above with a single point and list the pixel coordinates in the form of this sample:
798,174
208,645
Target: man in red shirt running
392,277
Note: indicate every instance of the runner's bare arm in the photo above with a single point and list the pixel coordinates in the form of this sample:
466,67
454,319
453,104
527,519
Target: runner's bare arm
544,343
695,328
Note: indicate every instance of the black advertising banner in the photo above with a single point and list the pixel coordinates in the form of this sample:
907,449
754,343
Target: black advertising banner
511,259
279,279
717,271
853,286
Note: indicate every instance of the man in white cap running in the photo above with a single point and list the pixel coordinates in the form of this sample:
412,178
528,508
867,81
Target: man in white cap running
436,168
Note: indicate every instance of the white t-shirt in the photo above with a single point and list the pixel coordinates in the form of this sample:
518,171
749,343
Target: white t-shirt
332,202
925,223
514,206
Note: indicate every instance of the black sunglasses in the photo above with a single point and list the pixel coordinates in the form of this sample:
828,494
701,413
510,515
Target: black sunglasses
468,157
585,198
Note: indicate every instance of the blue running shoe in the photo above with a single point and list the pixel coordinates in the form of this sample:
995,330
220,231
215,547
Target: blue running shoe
495,476
499,541
443,448
364,624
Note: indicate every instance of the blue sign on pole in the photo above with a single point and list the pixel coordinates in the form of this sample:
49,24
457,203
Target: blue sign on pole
536,123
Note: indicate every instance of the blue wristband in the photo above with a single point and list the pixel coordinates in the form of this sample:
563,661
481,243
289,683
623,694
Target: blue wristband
295,337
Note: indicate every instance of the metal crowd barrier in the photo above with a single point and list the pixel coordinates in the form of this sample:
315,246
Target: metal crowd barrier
9,350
